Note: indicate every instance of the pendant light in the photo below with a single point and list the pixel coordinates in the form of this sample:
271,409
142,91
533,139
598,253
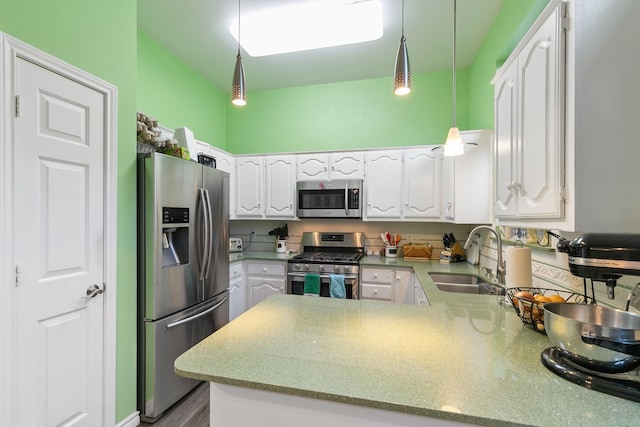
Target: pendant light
238,90
402,76
454,145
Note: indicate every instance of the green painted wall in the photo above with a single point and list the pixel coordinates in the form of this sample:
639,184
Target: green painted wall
513,21
356,114
177,96
99,37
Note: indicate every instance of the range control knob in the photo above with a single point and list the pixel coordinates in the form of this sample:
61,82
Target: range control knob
346,268
336,268
321,268
306,266
297,266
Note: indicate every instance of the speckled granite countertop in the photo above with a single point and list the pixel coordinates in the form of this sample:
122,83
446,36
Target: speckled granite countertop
464,357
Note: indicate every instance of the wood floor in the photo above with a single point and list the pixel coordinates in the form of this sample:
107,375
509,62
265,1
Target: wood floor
191,411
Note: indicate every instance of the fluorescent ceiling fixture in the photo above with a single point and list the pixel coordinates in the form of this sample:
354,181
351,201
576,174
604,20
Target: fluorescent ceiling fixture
311,25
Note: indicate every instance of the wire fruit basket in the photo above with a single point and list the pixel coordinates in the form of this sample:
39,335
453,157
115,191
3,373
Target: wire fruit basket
531,312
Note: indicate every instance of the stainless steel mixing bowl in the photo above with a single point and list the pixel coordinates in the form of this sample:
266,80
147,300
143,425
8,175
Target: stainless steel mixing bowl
596,337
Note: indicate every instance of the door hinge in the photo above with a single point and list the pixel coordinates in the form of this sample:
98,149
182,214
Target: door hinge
17,105
18,271
563,193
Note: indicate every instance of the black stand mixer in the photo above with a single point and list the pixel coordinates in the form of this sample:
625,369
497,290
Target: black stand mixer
595,346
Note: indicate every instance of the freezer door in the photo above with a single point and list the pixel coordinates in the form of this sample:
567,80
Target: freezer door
216,274
163,341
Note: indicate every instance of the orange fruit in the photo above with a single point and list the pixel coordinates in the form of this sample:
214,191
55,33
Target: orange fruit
556,298
541,298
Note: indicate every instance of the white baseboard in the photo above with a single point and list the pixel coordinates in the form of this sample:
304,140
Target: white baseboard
132,420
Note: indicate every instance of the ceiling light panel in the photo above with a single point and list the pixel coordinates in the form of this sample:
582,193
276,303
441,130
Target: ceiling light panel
312,25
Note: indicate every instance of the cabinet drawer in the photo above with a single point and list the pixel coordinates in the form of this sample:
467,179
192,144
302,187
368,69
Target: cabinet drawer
371,291
235,270
376,275
266,269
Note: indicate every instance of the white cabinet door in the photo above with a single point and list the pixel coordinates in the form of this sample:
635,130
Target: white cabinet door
421,188
260,288
466,181
237,297
330,166
383,184
529,127
313,166
506,142
403,291
347,165
249,186
540,160
265,187
280,186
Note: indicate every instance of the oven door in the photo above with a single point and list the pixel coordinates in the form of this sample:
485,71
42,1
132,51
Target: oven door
295,284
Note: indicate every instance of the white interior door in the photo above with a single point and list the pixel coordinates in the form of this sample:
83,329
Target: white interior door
59,249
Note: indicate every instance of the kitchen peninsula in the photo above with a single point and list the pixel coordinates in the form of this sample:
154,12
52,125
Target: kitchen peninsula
464,359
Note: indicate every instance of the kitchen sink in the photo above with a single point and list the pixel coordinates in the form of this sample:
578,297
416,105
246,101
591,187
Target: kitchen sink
465,283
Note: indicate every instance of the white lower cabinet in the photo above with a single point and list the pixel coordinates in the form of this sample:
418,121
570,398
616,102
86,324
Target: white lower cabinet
383,284
265,278
419,297
237,300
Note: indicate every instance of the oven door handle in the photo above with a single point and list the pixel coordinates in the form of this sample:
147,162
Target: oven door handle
324,276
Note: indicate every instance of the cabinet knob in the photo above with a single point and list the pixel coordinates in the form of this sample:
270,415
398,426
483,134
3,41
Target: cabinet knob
375,275
264,269
375,291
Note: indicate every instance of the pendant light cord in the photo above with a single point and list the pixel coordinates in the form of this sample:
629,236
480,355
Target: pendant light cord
454,64
402,18
238,27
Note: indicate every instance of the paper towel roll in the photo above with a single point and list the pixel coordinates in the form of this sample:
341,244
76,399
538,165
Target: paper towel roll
518,267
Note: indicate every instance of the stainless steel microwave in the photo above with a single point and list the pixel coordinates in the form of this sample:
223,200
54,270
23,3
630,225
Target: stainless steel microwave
330,199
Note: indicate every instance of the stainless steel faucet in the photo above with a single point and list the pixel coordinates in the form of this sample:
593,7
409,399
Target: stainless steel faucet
501,268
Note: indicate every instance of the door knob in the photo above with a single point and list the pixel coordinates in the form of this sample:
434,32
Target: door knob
92,291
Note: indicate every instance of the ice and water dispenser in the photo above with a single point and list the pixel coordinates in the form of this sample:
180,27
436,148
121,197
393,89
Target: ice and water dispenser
175,236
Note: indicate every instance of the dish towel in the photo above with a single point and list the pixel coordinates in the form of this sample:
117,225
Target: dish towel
336,286
312,284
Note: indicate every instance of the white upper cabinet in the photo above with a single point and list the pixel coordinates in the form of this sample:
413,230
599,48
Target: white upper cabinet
421,185
403,184
529,113
330,166
226,162
566,109
466,181
383,185
265,186
280,190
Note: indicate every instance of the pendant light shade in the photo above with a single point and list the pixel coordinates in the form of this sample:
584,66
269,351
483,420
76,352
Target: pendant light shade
454,145
238,94
238,87
402,75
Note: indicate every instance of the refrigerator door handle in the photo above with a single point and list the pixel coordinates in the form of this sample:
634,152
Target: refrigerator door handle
209,218
196,316
204,256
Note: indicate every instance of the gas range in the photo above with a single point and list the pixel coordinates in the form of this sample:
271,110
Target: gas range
326,254
319,262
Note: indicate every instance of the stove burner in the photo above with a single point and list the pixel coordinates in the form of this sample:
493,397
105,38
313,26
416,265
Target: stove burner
328,257
618,385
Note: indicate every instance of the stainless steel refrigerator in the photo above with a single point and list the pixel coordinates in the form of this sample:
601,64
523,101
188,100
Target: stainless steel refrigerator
183,271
